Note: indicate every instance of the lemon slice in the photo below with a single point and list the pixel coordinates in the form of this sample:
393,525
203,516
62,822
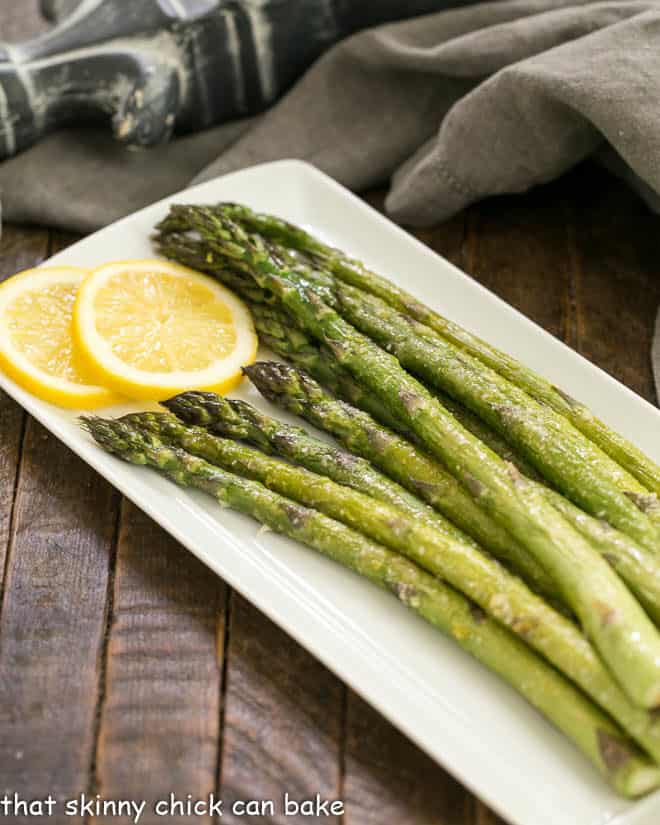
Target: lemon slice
36,345
150,329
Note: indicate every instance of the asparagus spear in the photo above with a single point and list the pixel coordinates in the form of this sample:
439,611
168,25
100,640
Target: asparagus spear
277,332
289,388
563,455
560,451
355,273
398,526
613,620
628,770
239,420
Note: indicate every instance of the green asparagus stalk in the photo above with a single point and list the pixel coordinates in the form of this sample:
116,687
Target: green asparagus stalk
592,731
611,617
638,568
356,274
420,475
562,454
484,433
277,332
289,388
239,420
487,583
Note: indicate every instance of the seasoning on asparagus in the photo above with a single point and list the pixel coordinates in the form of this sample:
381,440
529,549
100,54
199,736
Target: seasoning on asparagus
462,565
370,446
239,420
355,273
637,566
592,731
298,393
613,620
422,475
568,459
563,455
278,334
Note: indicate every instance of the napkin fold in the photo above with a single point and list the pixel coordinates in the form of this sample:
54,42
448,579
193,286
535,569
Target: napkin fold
450,108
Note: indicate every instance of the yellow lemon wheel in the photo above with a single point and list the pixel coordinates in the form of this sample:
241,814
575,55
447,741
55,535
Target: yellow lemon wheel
36,345
150,329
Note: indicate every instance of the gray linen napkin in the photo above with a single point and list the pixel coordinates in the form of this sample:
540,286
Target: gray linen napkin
452,107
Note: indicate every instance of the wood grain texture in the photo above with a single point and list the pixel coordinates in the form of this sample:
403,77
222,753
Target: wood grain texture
54,610
616,250
19,249
388,779
518,248
282,720
159,723
53,621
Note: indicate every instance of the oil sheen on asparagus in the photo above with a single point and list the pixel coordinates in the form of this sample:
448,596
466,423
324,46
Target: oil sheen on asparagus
625,767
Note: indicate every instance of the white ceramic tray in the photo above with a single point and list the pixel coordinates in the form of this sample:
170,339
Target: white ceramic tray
465,718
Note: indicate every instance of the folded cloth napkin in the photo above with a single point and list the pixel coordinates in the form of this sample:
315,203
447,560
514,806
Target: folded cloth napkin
452,107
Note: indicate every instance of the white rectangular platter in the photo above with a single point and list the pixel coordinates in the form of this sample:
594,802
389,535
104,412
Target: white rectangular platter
465,718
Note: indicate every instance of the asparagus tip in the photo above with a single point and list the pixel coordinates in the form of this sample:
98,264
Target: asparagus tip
116,435
193,406
102,431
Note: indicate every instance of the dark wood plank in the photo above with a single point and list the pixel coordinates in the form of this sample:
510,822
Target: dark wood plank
159,724
518,248
53,621
282,720
388,779
19,249
616,249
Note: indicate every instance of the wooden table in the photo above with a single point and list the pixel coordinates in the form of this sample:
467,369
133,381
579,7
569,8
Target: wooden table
128,669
